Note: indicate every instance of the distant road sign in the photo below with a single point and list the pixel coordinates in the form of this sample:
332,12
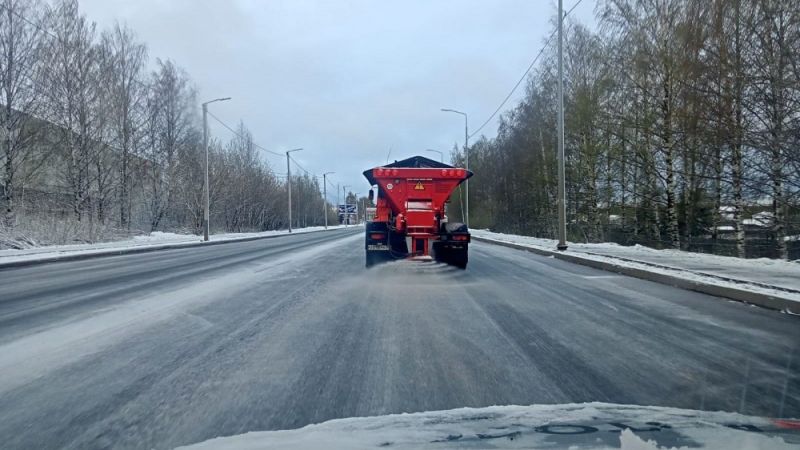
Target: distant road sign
348,209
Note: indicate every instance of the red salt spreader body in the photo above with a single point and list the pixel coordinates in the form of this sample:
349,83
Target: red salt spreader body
410,212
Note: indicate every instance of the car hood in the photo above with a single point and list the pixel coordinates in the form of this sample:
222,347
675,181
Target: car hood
573,426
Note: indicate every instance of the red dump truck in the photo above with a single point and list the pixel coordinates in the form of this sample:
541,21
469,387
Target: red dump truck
410,219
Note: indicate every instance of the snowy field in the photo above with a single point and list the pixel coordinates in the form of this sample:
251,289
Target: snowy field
768,276
155,239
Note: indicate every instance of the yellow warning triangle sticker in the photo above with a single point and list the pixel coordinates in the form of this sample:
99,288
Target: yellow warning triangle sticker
419,186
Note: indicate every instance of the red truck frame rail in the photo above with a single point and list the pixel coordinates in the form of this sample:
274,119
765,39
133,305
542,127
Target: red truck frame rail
410,212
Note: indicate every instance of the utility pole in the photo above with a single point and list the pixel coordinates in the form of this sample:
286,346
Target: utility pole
289,183
325,196
207,202
466,160
562,197
344,194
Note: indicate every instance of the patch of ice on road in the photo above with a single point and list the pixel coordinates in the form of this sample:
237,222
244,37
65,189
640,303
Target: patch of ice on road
574,426
32,356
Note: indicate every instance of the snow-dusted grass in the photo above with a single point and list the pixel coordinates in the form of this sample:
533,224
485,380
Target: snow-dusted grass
154,239
765,276
38,230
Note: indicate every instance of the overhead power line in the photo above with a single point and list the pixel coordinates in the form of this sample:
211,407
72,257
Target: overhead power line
525,74
330,183
240,136
301,167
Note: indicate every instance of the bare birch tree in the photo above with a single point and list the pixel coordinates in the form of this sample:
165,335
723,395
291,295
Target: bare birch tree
21,39
123,60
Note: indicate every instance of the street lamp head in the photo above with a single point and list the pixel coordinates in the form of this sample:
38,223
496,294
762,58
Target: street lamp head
217,100
441,153
293,150
454,111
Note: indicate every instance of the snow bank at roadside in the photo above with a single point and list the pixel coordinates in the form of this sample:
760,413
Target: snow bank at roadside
769,277
154,239
163,237
574,426
762,270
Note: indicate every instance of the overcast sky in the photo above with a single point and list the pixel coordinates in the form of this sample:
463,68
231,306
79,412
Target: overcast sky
346,80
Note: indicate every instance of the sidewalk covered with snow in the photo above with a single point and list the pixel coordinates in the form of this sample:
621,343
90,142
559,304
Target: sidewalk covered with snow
764,277
153,240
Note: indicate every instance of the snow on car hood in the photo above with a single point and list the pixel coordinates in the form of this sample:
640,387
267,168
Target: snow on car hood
573,426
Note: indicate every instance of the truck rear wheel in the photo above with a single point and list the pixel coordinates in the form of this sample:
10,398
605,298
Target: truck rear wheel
437,251
452,250
459,258
376,243
398,245
371,259
454,256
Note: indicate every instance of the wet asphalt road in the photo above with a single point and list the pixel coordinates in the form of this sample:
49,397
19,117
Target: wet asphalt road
175,347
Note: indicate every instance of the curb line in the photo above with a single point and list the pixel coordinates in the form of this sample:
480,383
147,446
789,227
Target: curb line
142,249
741,295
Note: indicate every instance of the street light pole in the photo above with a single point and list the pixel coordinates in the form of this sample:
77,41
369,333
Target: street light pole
206,205
562,198
466,160
441,155
289,183
325,196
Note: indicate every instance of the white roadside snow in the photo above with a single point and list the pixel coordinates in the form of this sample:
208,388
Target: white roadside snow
573,426
155,239
766,276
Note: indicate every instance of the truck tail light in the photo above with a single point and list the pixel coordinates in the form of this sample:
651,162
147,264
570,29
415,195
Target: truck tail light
377,236
461,237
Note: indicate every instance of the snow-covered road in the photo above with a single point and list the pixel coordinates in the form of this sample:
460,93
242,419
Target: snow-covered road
175,347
